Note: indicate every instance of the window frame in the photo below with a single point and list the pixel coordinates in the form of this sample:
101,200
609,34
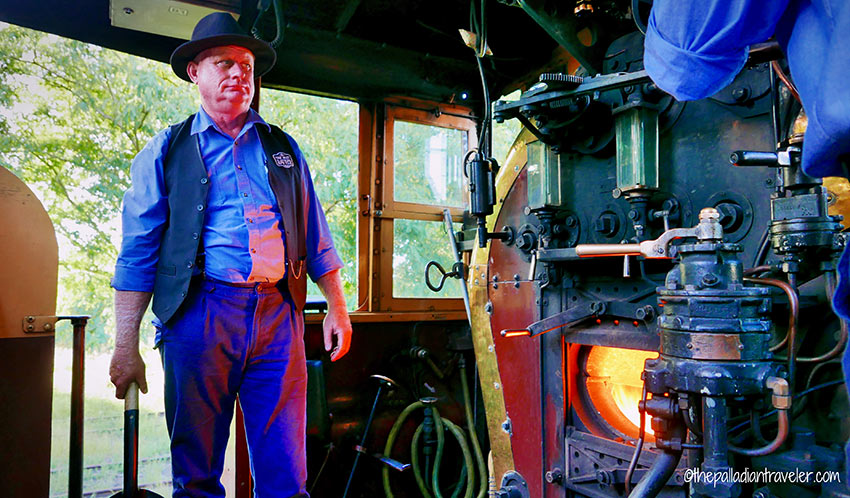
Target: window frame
378,205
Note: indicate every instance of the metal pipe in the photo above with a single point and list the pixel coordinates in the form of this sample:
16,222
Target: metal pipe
842,338
781,401
774,445
656,477
131,440
639,446
75,455
757,269
584,250
665,464
794,305
363,439
786,80
715,434
447,219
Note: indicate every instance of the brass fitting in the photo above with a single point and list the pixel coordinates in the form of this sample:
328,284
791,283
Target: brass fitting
781,392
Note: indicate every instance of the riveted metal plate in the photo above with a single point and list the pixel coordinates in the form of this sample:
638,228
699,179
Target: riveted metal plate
32,324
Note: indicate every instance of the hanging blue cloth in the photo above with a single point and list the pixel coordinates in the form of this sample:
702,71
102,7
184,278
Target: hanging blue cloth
694,49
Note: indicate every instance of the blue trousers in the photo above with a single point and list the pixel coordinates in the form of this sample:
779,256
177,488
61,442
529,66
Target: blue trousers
236,343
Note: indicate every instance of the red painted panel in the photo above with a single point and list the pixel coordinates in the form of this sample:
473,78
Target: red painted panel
519,357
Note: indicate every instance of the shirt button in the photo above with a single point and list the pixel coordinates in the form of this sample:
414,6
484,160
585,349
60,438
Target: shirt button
238,166
182,294
195,235
189,264
253,250
250,220
200,207
244,194
204,180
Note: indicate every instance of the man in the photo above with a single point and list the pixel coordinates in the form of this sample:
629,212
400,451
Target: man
220,226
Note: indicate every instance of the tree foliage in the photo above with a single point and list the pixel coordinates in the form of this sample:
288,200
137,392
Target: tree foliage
73,116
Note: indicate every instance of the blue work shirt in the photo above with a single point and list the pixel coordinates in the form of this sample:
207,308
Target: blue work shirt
242,236
693,49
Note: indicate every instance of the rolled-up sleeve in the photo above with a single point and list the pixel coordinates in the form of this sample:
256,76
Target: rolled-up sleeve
321,253
694,49
144,214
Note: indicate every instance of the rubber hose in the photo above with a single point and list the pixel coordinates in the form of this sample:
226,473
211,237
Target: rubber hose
385,472
467,458
470,425
457,432
459,484
414,462
438,456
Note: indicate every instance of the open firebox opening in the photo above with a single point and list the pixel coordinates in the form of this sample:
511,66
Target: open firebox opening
614,386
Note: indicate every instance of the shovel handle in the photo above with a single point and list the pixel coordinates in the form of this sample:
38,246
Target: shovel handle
131,441
131,398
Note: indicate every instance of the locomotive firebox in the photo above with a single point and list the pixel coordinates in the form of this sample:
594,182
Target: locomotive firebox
635,234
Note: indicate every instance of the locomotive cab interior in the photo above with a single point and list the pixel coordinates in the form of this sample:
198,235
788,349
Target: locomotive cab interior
620,305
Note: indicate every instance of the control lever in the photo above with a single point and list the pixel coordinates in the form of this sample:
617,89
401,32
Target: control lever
708,229
383,383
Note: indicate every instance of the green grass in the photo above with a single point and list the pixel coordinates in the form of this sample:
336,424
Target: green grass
103,447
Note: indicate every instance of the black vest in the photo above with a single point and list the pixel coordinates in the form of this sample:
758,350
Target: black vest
187,184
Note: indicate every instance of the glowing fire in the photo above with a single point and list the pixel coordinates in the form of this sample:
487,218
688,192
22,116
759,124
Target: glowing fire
614,385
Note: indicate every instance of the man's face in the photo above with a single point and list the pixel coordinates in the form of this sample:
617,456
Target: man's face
225,79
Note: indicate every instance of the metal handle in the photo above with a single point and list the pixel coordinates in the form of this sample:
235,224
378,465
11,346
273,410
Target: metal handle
131,440
457,271
443,277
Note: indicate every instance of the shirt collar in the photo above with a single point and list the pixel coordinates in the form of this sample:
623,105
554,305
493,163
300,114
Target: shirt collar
203,121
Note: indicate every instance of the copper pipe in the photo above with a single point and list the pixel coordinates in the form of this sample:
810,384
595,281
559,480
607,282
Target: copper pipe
757,269
774,445
842,339
786,80
793,304
782,402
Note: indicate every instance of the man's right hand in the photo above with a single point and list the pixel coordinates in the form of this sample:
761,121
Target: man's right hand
127,366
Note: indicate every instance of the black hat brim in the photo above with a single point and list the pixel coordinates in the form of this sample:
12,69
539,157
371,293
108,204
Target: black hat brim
264,55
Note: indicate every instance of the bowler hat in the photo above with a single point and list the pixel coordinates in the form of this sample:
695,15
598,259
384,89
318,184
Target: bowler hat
217,30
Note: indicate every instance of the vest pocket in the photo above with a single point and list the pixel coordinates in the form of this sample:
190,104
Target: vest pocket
169,270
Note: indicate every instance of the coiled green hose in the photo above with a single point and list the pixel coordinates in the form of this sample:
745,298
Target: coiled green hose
467,459
439,423
470,425
385,473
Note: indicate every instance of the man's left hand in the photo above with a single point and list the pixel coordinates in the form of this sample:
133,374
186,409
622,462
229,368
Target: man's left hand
337,324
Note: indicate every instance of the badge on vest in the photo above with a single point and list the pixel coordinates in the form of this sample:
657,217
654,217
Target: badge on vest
283,160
